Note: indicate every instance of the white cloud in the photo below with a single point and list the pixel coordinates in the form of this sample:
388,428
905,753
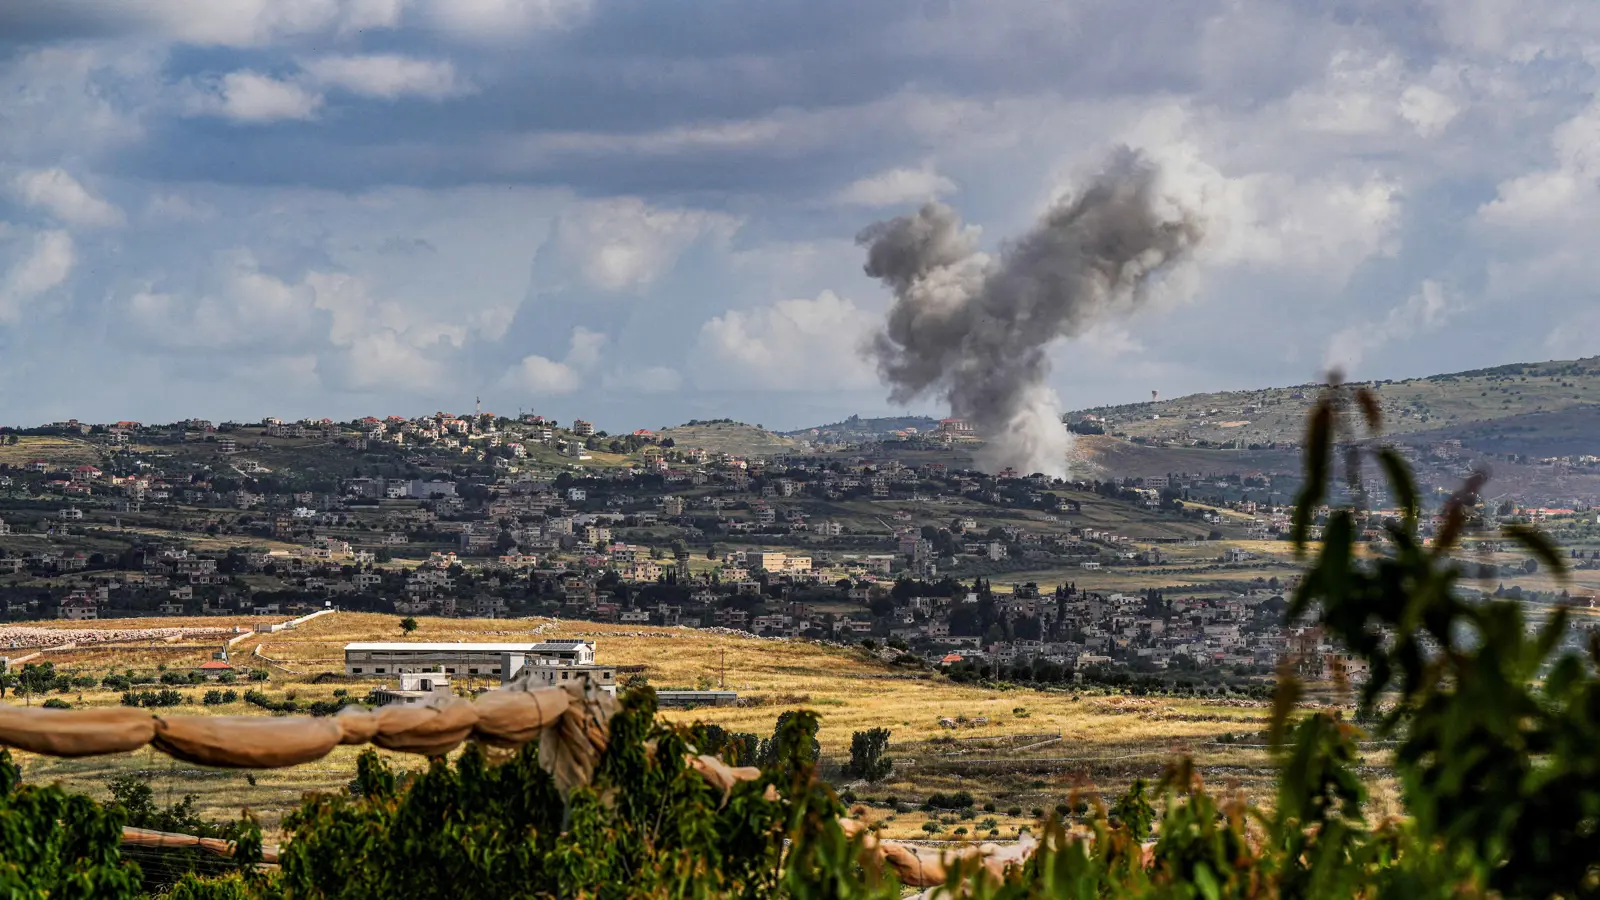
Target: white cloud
504,20
177,208
792,345
625,243
245,23
382,359
252,98
1562,194
543,375
584,350
1329,223
388,76
47,265
896,187
1425,311
244,309
60,195
539,375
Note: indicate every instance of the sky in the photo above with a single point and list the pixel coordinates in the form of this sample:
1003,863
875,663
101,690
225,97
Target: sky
641,212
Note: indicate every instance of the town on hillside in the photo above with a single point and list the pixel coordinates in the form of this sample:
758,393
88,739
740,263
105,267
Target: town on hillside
899,548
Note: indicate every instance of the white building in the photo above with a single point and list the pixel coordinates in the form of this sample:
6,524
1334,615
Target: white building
369,659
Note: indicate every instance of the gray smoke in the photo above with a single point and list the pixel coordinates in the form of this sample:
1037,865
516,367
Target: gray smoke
978,330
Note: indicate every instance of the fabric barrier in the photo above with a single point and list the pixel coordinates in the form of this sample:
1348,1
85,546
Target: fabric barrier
573,721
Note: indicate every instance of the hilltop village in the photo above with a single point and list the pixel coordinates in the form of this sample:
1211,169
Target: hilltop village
486,516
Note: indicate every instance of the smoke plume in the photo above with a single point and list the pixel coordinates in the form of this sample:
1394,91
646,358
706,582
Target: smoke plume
978,330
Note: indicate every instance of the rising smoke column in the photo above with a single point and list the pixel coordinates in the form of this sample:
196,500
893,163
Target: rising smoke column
978,330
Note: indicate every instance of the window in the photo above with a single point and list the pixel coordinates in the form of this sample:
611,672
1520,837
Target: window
495,670
379,670
563,676
450,670
355,671
472,671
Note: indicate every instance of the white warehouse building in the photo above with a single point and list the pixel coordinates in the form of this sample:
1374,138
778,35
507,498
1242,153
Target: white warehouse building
383,659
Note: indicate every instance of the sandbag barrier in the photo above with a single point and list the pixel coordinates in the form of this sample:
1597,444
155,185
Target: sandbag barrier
572,724
574,719
168,840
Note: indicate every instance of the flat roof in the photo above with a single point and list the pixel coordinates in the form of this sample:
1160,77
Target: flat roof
461,647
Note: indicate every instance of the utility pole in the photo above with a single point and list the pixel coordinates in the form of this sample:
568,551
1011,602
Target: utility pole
724,680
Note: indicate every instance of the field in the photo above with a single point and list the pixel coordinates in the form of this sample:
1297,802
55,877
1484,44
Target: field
732,438
1034,749
59,452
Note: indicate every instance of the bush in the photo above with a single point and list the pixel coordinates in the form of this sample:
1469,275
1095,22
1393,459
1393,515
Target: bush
957,800
57,703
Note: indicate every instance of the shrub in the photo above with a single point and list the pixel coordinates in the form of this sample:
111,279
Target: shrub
57,703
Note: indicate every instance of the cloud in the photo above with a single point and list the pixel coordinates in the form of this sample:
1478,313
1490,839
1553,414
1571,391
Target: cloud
648,380
254,99
542,375
625,243
504,20
383,358
60,195
234,23
1330,223
897,187
584,351
388,76
177,208
792,345
243,309
539,375
1560,195
47,265
1425,311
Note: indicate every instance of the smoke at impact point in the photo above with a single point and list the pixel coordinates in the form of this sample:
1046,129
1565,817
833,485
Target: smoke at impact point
978,329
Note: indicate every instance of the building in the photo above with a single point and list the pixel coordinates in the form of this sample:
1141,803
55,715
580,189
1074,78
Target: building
582,428
776,561
213,669
79,608
369,659
414,690
546,673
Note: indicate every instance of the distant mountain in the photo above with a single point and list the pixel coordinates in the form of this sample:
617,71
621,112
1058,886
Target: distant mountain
1539,409
856,428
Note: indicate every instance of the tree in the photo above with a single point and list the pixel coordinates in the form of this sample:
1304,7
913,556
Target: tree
867,754
35,679
408,624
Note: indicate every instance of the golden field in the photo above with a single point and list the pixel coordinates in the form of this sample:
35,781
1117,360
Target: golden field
1103,740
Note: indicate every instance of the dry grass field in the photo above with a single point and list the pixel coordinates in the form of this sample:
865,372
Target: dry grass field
1103,740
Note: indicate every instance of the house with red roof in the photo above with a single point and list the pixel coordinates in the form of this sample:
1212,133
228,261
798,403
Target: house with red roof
213,669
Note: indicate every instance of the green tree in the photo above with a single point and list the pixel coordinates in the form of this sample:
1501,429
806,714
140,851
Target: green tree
868,754
408,625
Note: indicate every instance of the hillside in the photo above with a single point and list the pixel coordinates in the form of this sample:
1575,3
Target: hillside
856,428
1546,408
735,438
